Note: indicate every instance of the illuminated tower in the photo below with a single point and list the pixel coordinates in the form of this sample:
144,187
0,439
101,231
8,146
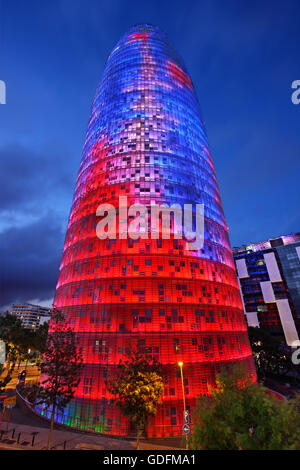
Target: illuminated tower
146,141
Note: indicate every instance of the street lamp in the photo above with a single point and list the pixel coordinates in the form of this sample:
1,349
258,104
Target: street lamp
183,395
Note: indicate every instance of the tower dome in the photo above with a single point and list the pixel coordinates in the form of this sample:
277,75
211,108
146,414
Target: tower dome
146,143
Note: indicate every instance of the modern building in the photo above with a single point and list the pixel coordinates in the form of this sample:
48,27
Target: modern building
146,142
32,316
269,277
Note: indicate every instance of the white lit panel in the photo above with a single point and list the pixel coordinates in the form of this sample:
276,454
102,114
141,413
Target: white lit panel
287,321
242,268
272,267
267,291
252,319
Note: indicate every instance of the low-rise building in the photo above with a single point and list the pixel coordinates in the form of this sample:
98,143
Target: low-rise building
269,277
32,316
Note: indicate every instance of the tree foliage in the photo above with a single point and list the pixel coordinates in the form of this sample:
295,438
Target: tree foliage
241,415
13,334
272,357
40,340
137,388
62,362
22,344
5,376
15,339
19,340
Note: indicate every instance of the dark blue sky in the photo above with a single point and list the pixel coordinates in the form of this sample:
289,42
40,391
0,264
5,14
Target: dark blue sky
242,57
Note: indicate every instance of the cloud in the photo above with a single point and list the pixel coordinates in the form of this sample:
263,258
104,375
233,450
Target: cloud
28,176
30,257
35,193
31,184
242,58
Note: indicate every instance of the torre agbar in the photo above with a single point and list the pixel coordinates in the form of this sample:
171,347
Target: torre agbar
146,140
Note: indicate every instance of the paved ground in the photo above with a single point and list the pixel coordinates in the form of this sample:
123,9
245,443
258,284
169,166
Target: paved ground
26,424
26,417
70,439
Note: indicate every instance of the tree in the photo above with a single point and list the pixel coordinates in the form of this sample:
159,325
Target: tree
19,341
40,337
39,342
137,388
241,415
272,358
13,335
60,369
17,338
9,327
6,377
10,334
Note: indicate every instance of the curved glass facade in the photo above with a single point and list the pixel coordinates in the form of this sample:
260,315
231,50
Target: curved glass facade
146,141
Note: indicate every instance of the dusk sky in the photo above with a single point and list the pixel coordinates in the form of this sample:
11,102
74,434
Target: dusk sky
242,57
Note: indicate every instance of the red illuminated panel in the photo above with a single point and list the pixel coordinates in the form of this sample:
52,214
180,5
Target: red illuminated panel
142,36
179,75
146,141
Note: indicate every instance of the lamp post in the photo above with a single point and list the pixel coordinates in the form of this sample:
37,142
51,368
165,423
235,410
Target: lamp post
183,395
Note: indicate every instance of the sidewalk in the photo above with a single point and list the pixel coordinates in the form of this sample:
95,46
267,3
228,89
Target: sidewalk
71,440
